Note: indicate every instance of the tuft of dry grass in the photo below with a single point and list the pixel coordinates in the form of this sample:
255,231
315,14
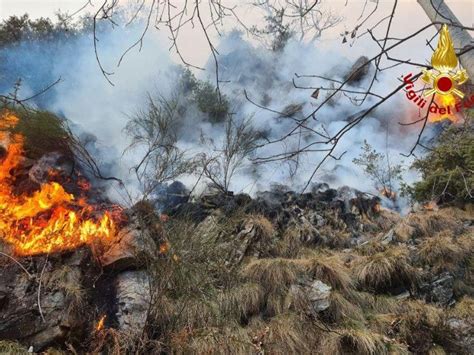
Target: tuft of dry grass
223,340
441,252
284,334
353,341
273,274
265,229
418,325
436,350
384,271
340,309
12,347
463,309
427,223
242,301
294,238
372,247
329,269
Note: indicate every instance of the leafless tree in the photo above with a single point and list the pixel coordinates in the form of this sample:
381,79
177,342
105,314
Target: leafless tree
327,143
227,157
153,132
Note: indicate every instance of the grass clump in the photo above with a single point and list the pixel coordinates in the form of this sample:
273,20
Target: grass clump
386,271
12,347
442,252
328,269
272,274
356,340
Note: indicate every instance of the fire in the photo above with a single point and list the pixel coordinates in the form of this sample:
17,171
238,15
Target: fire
101,323
48,220
385,191
431,206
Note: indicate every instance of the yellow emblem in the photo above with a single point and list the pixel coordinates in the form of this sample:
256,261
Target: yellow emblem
444,78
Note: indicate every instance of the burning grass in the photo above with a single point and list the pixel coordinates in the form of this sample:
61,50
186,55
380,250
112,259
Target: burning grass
48,219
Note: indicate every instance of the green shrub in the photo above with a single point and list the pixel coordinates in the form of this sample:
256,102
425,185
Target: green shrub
447,170
209,101
43,132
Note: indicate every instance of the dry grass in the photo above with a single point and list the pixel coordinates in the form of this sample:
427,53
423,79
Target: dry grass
242,301
285,334
387,270
224,340
427,224
265,228
436,350
329,269
294,238
419,325
464,309
11,347
340,309
273,274
68,280
113,342
354,341
372,247
441,252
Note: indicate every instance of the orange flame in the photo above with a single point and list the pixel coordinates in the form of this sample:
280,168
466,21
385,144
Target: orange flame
385,191
431,206
48,220
101,323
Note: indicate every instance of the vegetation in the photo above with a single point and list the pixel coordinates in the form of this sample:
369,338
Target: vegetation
16,29
207,301
379,168
447,170
43,131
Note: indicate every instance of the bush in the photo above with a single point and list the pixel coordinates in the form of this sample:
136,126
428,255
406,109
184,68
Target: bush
43,132
447,170
209,101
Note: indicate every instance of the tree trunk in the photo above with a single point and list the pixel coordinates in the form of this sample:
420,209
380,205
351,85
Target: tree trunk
438,11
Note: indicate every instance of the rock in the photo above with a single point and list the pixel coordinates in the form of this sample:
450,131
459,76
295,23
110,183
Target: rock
358,71
133,296
388,238
440,290
316,292
125,252
319,294
403,296
20,317
41,170
463,331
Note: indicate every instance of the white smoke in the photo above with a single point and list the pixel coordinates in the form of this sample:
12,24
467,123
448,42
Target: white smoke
95,106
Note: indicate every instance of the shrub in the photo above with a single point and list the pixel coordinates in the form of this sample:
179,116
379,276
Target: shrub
43,131
447,169
210,102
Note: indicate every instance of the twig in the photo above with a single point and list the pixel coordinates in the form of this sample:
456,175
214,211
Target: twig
39,289
18,263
